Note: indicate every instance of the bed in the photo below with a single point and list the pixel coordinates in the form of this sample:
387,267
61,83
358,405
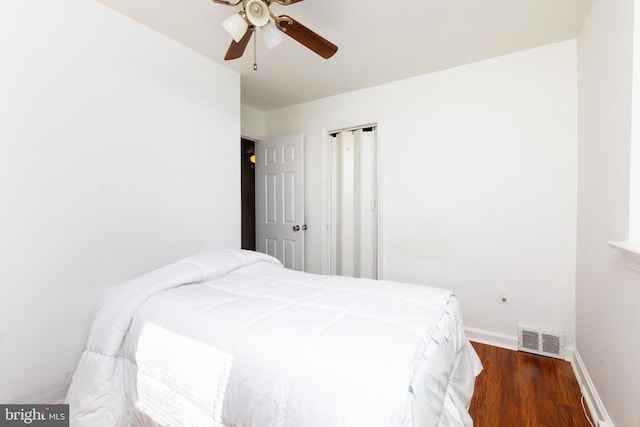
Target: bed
231,338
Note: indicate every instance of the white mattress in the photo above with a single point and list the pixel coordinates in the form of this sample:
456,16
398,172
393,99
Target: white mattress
232,338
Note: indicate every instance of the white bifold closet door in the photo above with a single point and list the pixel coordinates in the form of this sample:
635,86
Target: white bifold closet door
354,193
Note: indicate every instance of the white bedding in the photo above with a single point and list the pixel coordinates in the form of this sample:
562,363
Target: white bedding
232,338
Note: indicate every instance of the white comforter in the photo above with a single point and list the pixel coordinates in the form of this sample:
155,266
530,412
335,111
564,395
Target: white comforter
232,338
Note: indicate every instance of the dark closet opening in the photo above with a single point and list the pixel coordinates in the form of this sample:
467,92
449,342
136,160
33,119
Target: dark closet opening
248,184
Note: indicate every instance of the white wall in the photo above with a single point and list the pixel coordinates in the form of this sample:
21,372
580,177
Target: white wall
252,123
607,294
479,182
113,147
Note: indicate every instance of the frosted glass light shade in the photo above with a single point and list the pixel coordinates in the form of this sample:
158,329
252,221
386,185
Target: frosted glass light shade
257,12
271,35
236,26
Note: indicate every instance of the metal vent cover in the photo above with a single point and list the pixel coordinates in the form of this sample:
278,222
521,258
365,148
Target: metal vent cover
530,340
543,342
550,343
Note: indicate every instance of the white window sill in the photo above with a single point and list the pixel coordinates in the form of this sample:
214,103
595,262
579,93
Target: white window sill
630,252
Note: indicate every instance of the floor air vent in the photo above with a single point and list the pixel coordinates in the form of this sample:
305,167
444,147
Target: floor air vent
546,343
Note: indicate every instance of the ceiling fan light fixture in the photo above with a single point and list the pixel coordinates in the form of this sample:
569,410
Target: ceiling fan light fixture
271,35
257,12
236,26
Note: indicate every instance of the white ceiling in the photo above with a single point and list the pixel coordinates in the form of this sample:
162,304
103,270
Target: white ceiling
378,41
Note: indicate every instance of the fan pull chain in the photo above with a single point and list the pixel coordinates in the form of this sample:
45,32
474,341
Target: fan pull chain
255,55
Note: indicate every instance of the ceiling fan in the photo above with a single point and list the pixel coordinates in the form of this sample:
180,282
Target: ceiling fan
256,14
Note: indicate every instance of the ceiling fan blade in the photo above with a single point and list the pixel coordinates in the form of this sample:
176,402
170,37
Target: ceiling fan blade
305,36
236,49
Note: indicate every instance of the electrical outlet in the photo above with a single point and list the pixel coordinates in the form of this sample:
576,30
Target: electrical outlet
504,296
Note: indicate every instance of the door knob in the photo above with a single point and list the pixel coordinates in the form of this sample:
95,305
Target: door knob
296,228
304,227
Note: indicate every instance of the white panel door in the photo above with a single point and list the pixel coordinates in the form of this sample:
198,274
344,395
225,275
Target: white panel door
280,200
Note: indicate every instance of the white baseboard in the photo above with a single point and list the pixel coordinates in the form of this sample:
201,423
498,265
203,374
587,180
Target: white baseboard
51,397
510,342
594,403
56,398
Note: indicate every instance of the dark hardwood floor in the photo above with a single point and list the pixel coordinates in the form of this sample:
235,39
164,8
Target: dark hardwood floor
518,389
